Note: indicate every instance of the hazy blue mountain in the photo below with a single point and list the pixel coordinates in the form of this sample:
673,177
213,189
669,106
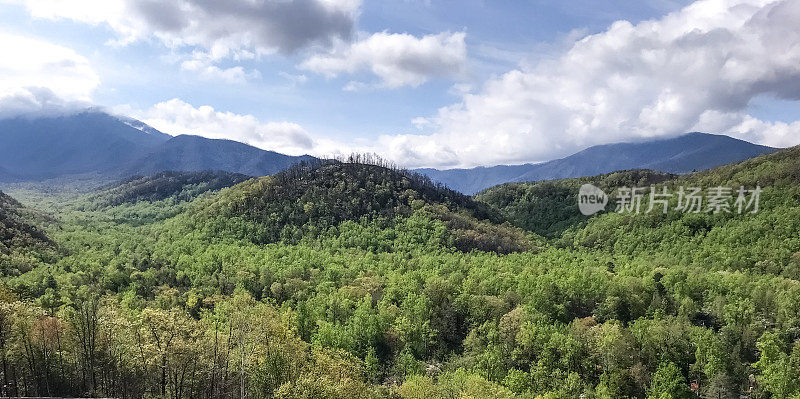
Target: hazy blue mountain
683,154
36,148
45,147
471,181
96,142
194,153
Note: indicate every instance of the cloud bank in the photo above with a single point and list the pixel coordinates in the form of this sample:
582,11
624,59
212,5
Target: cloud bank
179,117
220,26
695,69
212,30
37,76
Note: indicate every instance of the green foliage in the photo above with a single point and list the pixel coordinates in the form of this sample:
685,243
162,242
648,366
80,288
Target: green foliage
180,186
359,281
16,231
313,201
668,383
550,207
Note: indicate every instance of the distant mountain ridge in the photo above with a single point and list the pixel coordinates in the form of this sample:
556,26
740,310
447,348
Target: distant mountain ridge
46,147
689,152
93,141
194,154
119,147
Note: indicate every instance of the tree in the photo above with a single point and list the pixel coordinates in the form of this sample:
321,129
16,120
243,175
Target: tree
668,383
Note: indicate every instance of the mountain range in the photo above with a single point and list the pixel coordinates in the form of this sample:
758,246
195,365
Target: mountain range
36,148
97,142
683,154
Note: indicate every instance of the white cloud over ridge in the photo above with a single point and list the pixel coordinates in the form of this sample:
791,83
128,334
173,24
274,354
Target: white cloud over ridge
397,59
176,117
40,77
695,69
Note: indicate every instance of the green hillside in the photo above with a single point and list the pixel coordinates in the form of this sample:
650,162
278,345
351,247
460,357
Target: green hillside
178,186
16,233
549,207
22,245
764,242
324,199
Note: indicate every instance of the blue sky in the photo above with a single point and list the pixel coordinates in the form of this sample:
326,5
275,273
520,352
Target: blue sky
426,83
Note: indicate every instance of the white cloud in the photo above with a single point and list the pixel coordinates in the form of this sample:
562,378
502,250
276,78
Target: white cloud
36,76
397,59
178,117
294,79
209,71
213,30
222,27
695,68
741,125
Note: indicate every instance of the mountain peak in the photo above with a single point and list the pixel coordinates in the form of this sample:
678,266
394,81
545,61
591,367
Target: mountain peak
142,127
314,199
93,141
190,153
89,141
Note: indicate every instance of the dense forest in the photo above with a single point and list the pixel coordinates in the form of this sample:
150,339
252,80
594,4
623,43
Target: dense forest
352,279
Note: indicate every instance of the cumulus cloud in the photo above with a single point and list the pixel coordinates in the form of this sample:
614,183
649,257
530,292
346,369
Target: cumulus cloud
179,117
38,76
694,69
397,59
744,126
222,27
244,29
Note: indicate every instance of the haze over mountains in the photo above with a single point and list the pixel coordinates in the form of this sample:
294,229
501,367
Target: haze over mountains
118,147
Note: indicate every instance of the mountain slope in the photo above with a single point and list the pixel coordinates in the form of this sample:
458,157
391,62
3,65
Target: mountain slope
767,241
181,186
365,205
684,154
17,234
549,207
37,148
194,153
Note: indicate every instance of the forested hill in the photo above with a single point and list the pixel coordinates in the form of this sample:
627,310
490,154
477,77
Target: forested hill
314,199
549,207
17,234
765,241
768,239
180,186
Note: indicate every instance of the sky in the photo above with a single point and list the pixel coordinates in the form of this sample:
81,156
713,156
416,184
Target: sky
424,83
